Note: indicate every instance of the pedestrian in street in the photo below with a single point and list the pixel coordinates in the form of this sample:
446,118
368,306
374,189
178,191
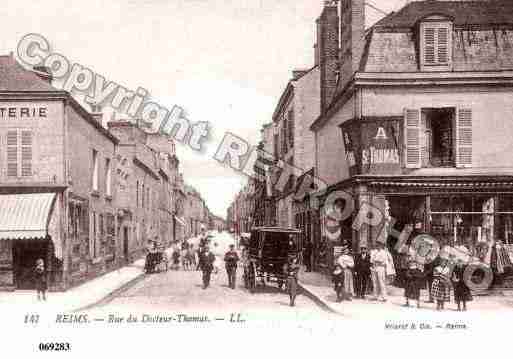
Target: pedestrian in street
379,260
441,288
346,261
231,258
338,282
40,279
462,293
307,255
291,270
206,264
176,259
362,271
413,282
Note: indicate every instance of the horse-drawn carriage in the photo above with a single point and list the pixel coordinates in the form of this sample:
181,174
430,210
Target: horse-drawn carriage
270,252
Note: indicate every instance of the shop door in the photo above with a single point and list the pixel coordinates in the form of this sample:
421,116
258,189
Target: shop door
25,254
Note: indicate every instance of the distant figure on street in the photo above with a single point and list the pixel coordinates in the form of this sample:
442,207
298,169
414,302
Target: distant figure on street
338,282
40,279
362,270
307,255
231,258
291,269
176,259
206,264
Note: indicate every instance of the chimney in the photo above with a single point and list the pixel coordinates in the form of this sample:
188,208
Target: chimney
96,112
352,38
44,72
328,52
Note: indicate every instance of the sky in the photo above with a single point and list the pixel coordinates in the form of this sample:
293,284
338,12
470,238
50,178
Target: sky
225,61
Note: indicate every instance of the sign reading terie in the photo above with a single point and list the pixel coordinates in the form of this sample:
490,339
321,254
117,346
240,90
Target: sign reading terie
23,112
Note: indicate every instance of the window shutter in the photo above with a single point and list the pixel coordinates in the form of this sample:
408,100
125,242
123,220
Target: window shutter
291,128
12,153
26,153
464,138
443,44
429,45
412,138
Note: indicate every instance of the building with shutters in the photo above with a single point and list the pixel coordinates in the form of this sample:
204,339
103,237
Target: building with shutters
415,122
57,189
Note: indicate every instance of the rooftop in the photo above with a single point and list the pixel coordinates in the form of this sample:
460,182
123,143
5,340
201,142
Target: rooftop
491,12
14,77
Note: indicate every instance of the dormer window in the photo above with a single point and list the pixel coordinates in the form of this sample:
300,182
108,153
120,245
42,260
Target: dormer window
435,44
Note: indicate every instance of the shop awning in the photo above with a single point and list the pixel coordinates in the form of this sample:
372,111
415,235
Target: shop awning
25,216
180,220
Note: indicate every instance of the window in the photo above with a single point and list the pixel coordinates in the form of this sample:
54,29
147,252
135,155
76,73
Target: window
276,146
137,194
93,236
290,119
438,137
108,178
435,45
19,153
95,170
142,196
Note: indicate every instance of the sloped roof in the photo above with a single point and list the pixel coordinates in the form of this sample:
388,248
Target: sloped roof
13,77
491,12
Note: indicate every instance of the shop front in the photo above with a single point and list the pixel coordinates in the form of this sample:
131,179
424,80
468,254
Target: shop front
471,211
27,233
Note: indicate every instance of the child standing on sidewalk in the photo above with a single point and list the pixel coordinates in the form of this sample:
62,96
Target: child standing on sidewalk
40,279
441,288
338,281
461,290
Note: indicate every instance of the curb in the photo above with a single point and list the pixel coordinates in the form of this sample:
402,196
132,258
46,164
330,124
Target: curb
317,299
110,296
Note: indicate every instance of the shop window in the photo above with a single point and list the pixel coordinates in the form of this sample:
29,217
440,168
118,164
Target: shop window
438,137
463,219
504,219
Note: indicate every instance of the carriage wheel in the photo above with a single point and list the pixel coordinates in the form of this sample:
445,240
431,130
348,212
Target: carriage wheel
252,278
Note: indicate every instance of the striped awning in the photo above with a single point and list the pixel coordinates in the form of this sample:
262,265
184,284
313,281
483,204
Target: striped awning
25,216
180,220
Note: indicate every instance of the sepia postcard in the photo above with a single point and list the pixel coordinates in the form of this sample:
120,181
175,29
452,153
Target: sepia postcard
256,178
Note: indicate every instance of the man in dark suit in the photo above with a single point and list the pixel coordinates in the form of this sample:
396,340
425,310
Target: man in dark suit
362,271
206,263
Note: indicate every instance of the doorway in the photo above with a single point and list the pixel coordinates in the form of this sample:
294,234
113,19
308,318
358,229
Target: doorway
125,243
25,254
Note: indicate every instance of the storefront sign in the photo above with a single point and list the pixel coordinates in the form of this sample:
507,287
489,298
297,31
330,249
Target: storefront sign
23,112
372,146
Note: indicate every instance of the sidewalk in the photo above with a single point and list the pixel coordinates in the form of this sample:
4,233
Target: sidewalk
84,295
320,288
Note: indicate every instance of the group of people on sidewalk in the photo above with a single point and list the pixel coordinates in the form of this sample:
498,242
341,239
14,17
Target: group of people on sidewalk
354,276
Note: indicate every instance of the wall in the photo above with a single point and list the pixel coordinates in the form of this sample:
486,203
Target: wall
307,109
48,140
491,131
331,165
83,137
484,50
